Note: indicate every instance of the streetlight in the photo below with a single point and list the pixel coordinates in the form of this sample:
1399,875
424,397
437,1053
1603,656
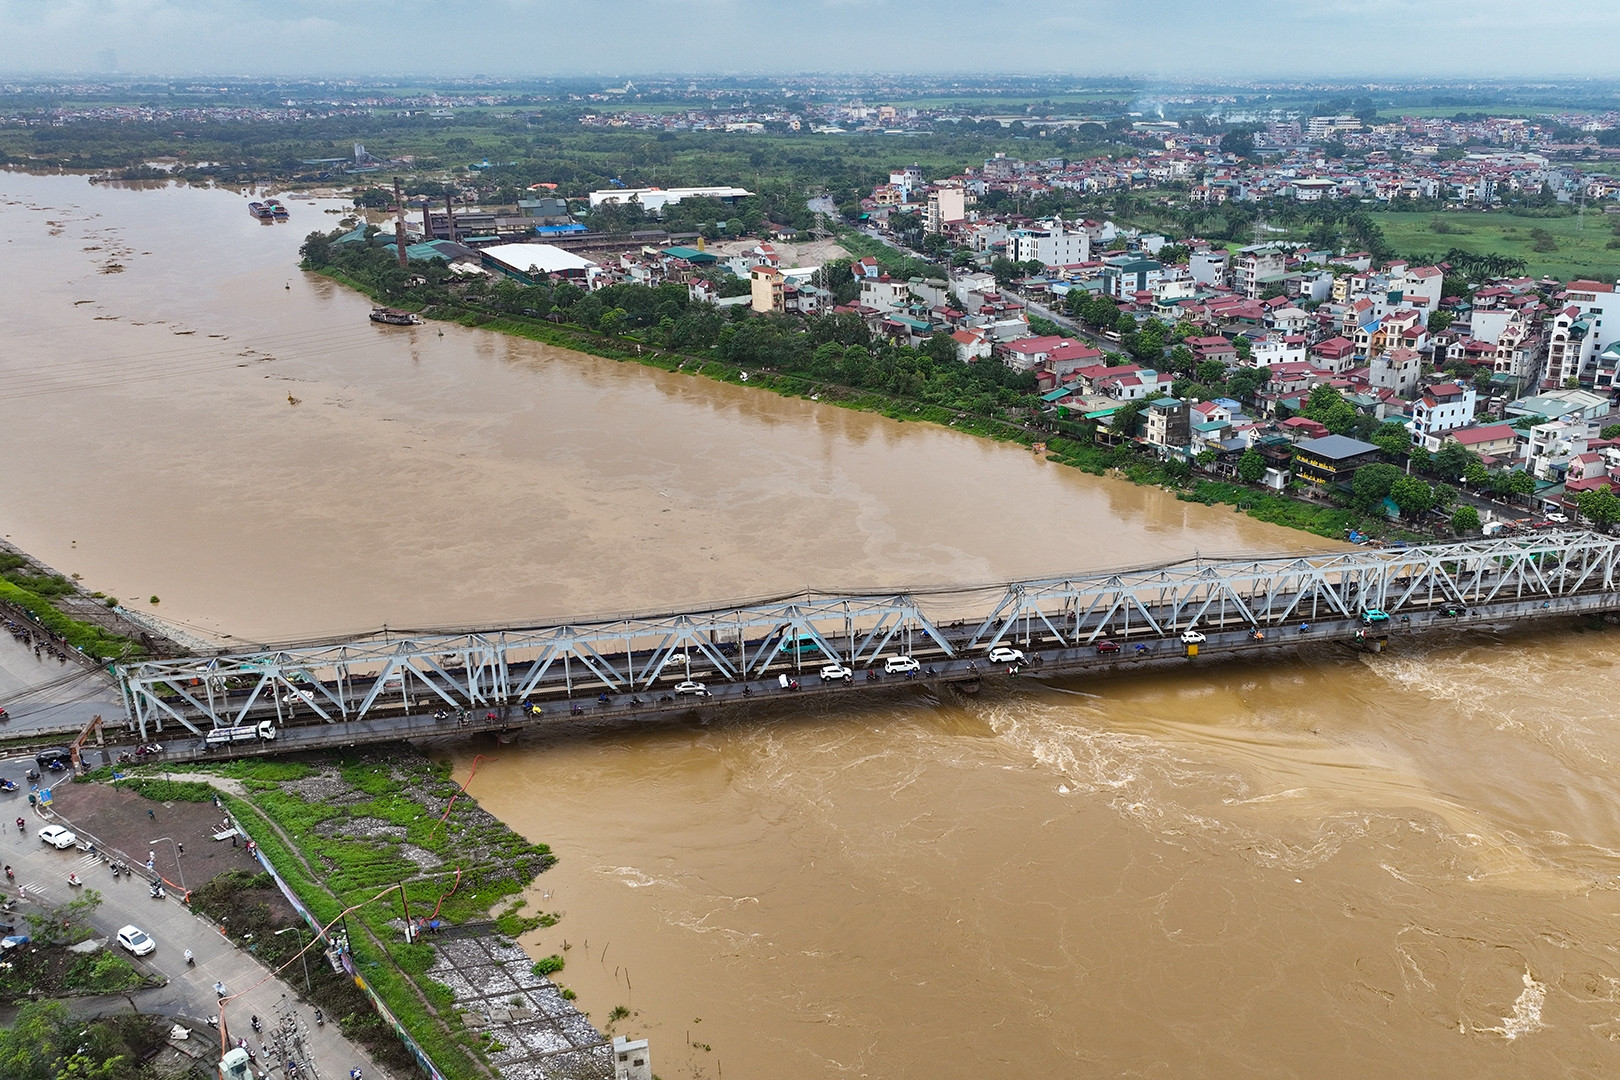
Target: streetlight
300,931
178,868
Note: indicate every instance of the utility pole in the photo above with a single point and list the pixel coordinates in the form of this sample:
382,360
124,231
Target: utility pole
399,222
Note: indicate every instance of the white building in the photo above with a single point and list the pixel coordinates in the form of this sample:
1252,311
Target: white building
1396,370
631,1061
653,200
1443,407
1052,244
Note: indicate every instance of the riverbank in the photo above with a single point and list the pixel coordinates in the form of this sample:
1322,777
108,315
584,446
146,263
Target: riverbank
1119,463
61,614
372,843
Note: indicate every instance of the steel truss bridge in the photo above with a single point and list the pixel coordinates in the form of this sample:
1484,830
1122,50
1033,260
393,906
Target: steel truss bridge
392,686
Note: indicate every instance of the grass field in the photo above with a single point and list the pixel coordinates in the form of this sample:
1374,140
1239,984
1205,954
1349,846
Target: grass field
1581,253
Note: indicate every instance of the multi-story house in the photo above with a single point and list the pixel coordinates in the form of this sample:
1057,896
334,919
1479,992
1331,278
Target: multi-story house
1442,407
1256,267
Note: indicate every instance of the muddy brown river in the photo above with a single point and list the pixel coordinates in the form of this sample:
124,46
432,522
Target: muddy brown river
1334,865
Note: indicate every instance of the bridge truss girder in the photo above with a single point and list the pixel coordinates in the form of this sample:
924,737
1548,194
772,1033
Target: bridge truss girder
338,682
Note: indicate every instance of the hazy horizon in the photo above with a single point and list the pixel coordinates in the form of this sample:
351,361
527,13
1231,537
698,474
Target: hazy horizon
1159,40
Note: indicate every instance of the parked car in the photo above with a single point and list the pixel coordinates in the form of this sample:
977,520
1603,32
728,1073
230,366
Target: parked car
58,837
1006,654
1191,637
1369,616
834,672
695,689
1559,519
900,665
1108,646
136,940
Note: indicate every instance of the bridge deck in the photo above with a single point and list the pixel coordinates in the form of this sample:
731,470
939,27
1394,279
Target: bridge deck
1056,660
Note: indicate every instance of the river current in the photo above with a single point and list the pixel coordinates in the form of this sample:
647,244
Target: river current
1333,865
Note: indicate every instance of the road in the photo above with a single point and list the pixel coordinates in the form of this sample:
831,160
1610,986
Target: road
41,875
45,696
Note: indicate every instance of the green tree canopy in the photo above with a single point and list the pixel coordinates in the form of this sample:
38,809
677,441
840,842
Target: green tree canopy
1412,495
1465,519
1327,407
1392,438
1601,507
1371,484
1251,466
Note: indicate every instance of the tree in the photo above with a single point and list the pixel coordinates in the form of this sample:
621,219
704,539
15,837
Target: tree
1244,383
1238,141
1210,371
1465,519
1610,431
1600,506
1251,466
1521,483
1123,422
1412,495
1476,473
1451,461
1371,484
1439,320
66,924
1392,438
1327,407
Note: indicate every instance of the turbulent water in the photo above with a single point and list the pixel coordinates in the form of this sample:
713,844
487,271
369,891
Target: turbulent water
1333,865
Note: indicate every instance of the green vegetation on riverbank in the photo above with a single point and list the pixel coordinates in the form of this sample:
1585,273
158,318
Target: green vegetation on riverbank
38,595
372,833
831,359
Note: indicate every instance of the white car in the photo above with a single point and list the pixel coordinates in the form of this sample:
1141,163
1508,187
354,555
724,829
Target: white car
1191,637
136,940
1558,519
1006,654
58,837
696,689
900,665
833,672
676,658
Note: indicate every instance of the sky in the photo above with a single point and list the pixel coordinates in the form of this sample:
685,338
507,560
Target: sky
1154,39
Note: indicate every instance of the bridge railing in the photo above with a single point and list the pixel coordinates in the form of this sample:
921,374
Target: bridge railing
346,681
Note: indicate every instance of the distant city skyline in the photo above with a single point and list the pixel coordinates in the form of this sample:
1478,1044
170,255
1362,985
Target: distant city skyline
1162,40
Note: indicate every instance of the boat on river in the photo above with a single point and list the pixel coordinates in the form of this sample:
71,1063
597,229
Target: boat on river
277,210
262,211
394,317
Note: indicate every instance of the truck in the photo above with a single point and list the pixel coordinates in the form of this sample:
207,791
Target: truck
224,736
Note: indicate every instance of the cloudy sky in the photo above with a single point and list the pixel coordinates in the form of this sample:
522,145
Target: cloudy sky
1162,39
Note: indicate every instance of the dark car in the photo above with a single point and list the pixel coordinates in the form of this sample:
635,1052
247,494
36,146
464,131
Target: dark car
1108,646
1452,611
49,759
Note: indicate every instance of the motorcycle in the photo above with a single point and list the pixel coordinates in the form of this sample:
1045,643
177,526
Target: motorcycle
7,785
157,892
252,1020
31,775
191,961
74,882
320,1018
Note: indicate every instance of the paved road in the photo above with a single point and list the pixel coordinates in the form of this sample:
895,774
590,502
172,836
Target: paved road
41,875
45,695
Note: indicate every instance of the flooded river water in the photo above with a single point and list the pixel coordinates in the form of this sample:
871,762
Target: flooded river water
1333,865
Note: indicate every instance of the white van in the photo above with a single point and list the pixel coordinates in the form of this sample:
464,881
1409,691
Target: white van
900,665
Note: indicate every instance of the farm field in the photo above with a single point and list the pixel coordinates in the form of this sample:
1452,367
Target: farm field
1592,252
